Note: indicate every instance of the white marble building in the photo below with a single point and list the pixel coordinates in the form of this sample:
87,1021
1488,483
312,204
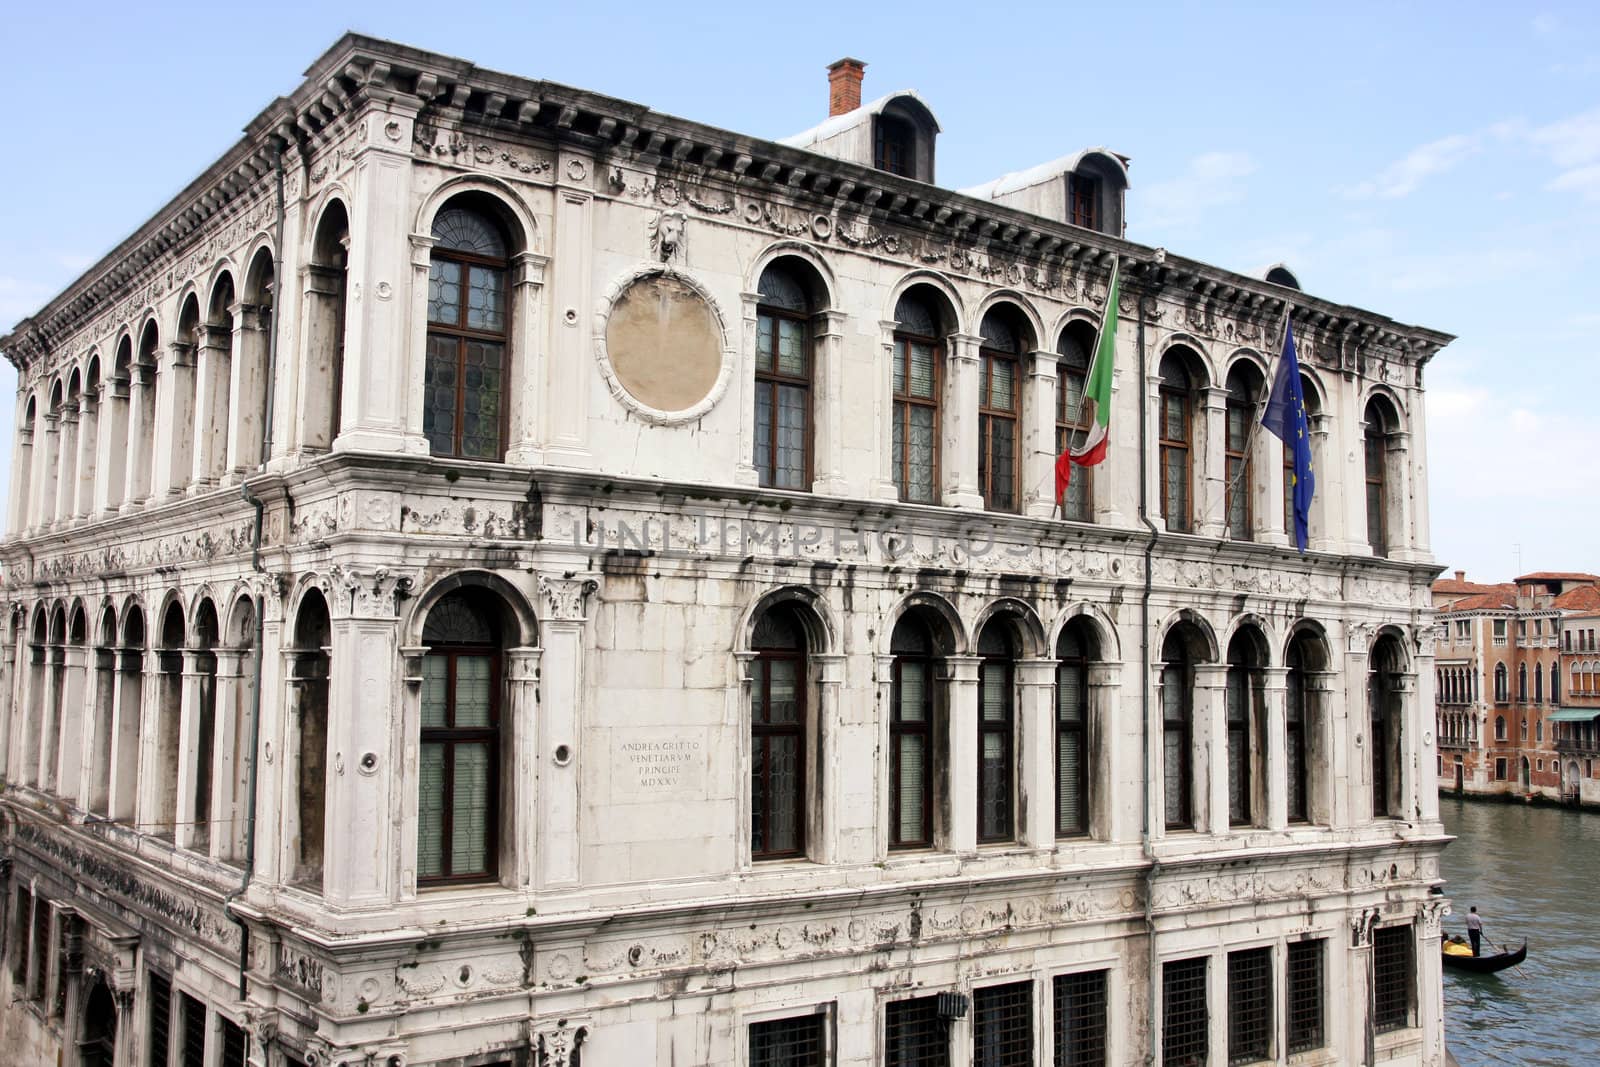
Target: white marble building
609,606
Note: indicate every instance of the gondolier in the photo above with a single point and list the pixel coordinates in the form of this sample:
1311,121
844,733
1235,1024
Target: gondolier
1475,929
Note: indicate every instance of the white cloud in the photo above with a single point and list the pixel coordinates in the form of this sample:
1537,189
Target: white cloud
1211,180
1545,23
1572,141
1582,180
1402,177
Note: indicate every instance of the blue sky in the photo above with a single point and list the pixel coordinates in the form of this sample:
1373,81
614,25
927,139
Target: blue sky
1438,163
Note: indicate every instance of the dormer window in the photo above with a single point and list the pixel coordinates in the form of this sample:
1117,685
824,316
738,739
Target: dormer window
895,146
1083,201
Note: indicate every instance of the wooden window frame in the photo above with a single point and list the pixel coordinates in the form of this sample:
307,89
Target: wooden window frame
1294,736
988,416
450,736
1066,428
1083,201
1374,461
894,146
1184,728
772,381
1086,760
462,335
1248,676
1184,448
1232,488
931,762
760,732
1006,730
906,402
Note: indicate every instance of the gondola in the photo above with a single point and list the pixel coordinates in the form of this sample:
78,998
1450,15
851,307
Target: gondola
1487,964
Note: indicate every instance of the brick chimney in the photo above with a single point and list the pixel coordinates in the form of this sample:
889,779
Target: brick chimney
1461,576
844,85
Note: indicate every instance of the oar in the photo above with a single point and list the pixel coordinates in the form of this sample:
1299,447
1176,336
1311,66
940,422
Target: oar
1501,948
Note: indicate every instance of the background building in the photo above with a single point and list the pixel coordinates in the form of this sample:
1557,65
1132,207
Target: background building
609,598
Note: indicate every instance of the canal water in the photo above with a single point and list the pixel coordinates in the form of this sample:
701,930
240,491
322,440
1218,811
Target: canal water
1533,872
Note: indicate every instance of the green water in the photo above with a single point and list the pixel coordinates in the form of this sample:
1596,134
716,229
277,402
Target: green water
1534,873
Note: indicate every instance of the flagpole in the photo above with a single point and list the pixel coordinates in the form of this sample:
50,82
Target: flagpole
1116,268
1261,411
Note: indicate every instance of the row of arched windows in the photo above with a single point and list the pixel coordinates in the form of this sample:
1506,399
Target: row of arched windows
1452,692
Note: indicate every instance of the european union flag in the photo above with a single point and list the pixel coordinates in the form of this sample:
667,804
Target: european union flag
1285,417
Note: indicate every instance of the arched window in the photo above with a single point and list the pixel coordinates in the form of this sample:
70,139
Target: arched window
176,386
778,735
1246,663
213,384
310,665
1502,684
1309,395
1384,718
1499,727
1244,391
1555,685
1524,729
1522,683
1178,659
196,810
130,703
783,379
1538,684
248,408
997,726
1380,423
1075,763
459,779
1538,731
914,762
168,716
142,417
1073,419
1176,428
22,469
327,282
918,383
999,406
464,382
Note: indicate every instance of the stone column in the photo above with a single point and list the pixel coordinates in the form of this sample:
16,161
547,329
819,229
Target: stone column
826,835
1210,466
528,369
1401,506
1039,436
1114,814
1209,748
1358,1033
882,806
524,714
1416,474
961,753
1152,459
213,380
189,833
46,458
174,426
883,487
128,684
247,390
365,745
21,478
571,339
1351,743
381,333
1407,717
88,455
270,750
744,468
49,729
828,405
958,417
227,814
69,754
1423,696
1036,752
1324,535
562,693
1266,460
1274,748
136,478
1430,978
67,463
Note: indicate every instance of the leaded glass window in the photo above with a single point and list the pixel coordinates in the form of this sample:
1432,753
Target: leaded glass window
1176,427
918,378
459,757
912,760
465,370
1244,683
1295,722
778,736
1073,780
783,382
1177,718
996,736
1377,489
998,407
1073,422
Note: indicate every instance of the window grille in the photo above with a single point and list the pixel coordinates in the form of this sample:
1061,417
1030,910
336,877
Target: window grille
1184,1021
1249,1005
796,1042
233,1045
194,1032
1002,1026
914,1035
1391,978
1080,1007
159,990
1305,995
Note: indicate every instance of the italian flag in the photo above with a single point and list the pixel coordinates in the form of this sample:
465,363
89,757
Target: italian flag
1098,390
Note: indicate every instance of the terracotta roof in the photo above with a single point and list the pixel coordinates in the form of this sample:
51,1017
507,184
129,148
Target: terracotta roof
1500,596
1579,598
1558,576
1459,586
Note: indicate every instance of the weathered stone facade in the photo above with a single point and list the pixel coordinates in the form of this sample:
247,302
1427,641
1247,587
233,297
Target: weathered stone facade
237,659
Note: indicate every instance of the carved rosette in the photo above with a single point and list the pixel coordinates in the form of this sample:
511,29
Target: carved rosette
565,598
